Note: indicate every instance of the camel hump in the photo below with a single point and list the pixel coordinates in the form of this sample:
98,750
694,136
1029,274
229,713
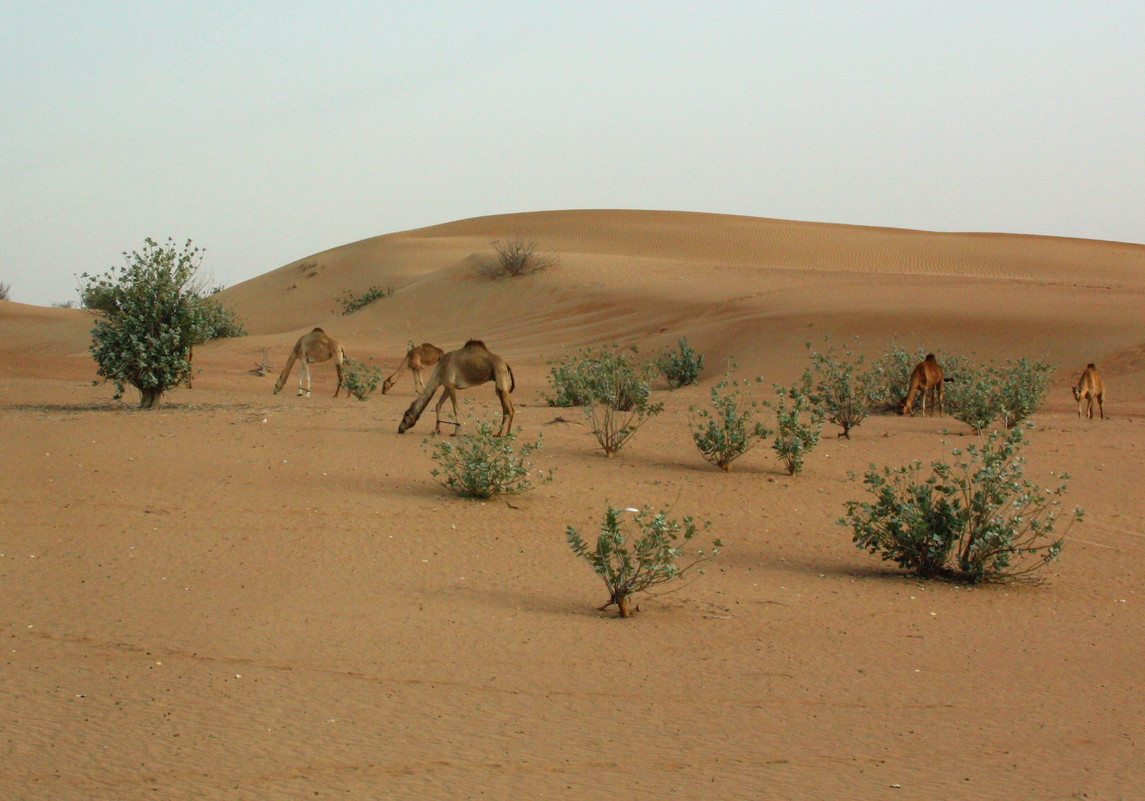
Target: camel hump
473,344
317,331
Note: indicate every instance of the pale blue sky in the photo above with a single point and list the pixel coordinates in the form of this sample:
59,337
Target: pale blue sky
269,131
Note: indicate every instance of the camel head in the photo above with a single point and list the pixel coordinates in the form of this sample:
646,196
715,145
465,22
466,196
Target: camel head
388,384
408,419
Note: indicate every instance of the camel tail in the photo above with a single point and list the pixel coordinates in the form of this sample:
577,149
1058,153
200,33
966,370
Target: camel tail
512,381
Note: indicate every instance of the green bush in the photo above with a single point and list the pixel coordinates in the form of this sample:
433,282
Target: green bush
360,378
727,431
839,387
481,464
351,302
798,426
153,310
1022,386
975,521
650,560
682,366
613,416
591,375
973,397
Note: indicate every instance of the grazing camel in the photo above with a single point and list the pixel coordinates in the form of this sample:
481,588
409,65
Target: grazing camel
1090,387
468,367
417,359
927,378
316,346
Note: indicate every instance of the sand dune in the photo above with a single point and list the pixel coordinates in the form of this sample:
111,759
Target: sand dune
248,596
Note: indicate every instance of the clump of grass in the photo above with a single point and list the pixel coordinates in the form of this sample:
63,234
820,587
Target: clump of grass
351,302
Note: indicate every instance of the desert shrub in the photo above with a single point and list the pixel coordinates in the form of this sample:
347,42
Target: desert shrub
4,290
652,558
727,431
972,397
351,302
219,322
480,464
581,378
798,426
613,416
152,311
839,387
975,521
360,378
517,256
682,366
1021,387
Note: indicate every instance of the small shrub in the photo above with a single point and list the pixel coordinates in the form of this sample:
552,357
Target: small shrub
840,389
972,397
516,257
798,426
682,366
650,560
591,375
360,378
1021,389
480,464
351,302
612,425
4,290
972,522
727,431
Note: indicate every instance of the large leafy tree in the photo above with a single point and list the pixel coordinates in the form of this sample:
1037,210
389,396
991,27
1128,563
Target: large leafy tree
152,310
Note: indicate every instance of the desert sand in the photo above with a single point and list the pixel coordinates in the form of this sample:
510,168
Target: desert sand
253,596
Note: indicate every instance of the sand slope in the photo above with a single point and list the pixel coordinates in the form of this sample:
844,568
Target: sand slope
248,596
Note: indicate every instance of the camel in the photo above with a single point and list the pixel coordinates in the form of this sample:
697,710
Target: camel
1090,387
927,378
315,347
470,366
416,359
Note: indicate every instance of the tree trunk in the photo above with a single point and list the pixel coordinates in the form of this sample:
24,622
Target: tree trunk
149,398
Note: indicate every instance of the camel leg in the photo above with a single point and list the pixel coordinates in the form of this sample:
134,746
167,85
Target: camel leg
1100,406
451,394
506,413
304,373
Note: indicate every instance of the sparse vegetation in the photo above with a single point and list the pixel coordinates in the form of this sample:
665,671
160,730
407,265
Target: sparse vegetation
351,303
682,366
481,464
606,373
839,387
651,559
4,290
360,378
1022,386
727,431
798,426
976,521
612,425
153,310
516,257
973,397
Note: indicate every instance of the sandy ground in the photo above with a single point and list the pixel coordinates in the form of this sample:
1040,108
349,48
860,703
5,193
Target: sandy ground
249,596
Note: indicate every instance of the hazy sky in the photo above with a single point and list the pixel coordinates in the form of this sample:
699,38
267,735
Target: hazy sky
269,131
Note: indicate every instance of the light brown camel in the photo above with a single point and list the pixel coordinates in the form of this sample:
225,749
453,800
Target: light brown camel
416,359
314,347
470,366
926,378
1090,387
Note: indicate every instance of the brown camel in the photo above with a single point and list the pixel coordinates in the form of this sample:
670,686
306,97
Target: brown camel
417,359
926,378
1090,387
314,347
468,367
